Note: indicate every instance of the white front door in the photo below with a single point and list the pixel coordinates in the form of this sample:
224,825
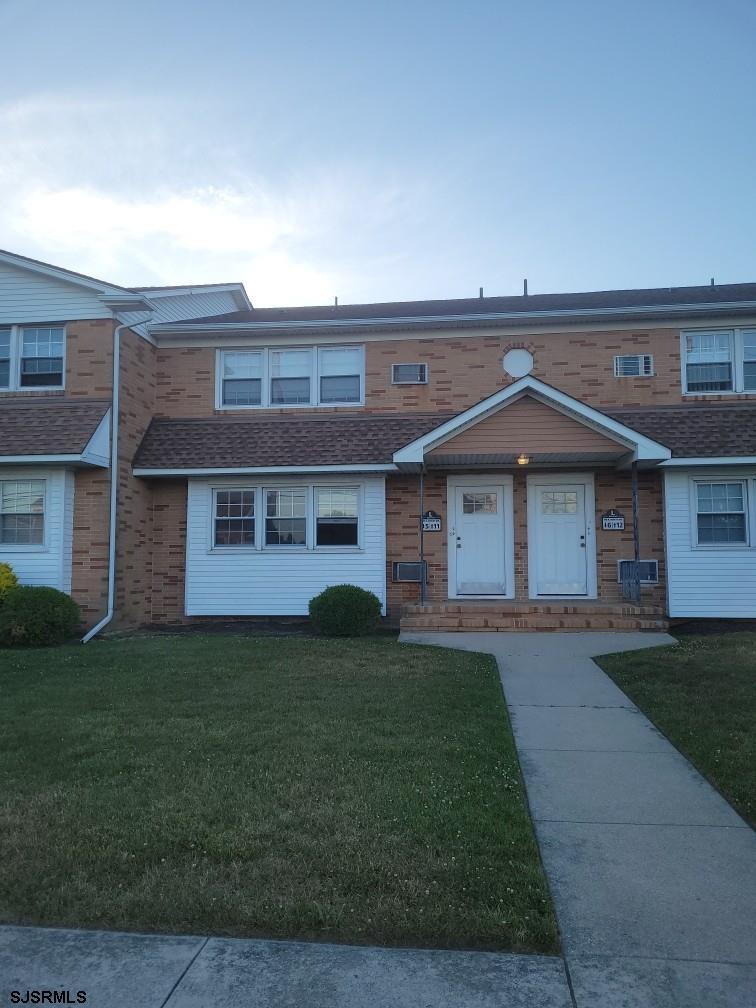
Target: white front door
478,540
561,549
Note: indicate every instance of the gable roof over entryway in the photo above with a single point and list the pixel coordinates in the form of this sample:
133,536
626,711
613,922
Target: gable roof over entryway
532,418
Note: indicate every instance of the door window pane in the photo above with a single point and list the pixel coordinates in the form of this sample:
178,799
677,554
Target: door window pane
558,502
290,377
242,379
479,503
22,512
42,357
235,518
285,517
340,374
336,517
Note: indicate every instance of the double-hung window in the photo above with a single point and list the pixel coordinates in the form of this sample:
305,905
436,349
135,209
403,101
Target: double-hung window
336,516
721,513
31,357
5,357
242,379
22,512
234,518
277,518
292,376
719,360
286,517
709,361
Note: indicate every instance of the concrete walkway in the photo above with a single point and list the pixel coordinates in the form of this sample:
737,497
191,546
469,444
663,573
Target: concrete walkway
153,971
652,873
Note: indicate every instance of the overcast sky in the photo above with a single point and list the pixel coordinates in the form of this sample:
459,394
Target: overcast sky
384,150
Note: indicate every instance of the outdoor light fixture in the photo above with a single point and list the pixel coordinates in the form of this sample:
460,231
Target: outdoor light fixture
523,459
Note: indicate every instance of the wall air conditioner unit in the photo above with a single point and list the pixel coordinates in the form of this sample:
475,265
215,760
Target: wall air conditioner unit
409,374
649,571
414,571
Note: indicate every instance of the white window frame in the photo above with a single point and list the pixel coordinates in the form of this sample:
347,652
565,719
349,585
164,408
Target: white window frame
310,546
44,546
16,351
694,483
314,376
737,351
641,358
417,364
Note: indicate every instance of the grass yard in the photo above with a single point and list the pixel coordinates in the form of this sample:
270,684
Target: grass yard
702,695
356,791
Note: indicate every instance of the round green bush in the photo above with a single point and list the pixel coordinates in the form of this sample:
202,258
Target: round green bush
345,611
33,616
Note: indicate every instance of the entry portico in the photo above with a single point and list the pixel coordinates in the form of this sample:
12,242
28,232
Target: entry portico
527,474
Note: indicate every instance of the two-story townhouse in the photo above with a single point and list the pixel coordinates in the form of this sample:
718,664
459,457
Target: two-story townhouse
496,462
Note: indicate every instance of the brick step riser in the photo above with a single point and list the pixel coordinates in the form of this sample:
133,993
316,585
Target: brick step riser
536,625
489,612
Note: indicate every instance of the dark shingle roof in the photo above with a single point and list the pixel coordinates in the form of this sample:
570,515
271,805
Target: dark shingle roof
656,297
38,426
697,430
303,440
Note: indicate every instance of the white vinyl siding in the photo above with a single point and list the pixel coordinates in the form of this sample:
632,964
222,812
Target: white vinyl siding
279,580
28,297
708,580
48,563
267,377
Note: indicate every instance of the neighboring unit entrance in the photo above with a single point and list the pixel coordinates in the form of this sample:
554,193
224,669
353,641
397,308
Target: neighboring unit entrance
560,557
477,540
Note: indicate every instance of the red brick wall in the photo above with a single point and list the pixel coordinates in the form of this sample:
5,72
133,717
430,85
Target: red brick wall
613,490
464,370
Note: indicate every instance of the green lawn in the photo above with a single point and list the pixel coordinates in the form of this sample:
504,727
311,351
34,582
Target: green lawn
702,695
356,791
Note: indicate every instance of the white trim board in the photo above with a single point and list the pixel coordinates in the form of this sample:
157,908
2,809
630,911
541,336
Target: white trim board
548,479
267,470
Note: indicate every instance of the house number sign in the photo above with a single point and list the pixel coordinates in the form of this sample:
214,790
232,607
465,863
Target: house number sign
431,522
613,521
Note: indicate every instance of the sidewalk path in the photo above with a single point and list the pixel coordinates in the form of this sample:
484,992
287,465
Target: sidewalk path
152,971
653,874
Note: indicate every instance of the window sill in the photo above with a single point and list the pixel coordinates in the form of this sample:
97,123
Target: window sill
285,550
21,548
287,406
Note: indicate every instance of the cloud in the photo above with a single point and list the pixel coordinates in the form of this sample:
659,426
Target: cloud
137,204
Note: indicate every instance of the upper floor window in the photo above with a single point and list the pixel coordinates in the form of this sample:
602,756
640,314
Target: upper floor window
31,357
294,376
719,360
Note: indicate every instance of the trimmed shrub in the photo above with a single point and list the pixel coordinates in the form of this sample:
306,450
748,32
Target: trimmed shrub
345,611
8,580
33,616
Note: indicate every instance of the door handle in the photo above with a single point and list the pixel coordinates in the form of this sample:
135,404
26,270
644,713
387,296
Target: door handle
582,542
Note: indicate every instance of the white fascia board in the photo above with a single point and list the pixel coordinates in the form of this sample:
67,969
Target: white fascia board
644,449
408,320
268,470
714,460
71,460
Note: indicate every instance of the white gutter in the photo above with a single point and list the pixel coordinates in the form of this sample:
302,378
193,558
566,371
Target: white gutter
710,460
406,320
115,406
368,467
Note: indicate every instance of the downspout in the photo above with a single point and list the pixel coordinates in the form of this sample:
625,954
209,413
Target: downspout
115,407
422,536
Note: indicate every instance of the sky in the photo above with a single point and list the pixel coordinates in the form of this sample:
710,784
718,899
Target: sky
382,151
